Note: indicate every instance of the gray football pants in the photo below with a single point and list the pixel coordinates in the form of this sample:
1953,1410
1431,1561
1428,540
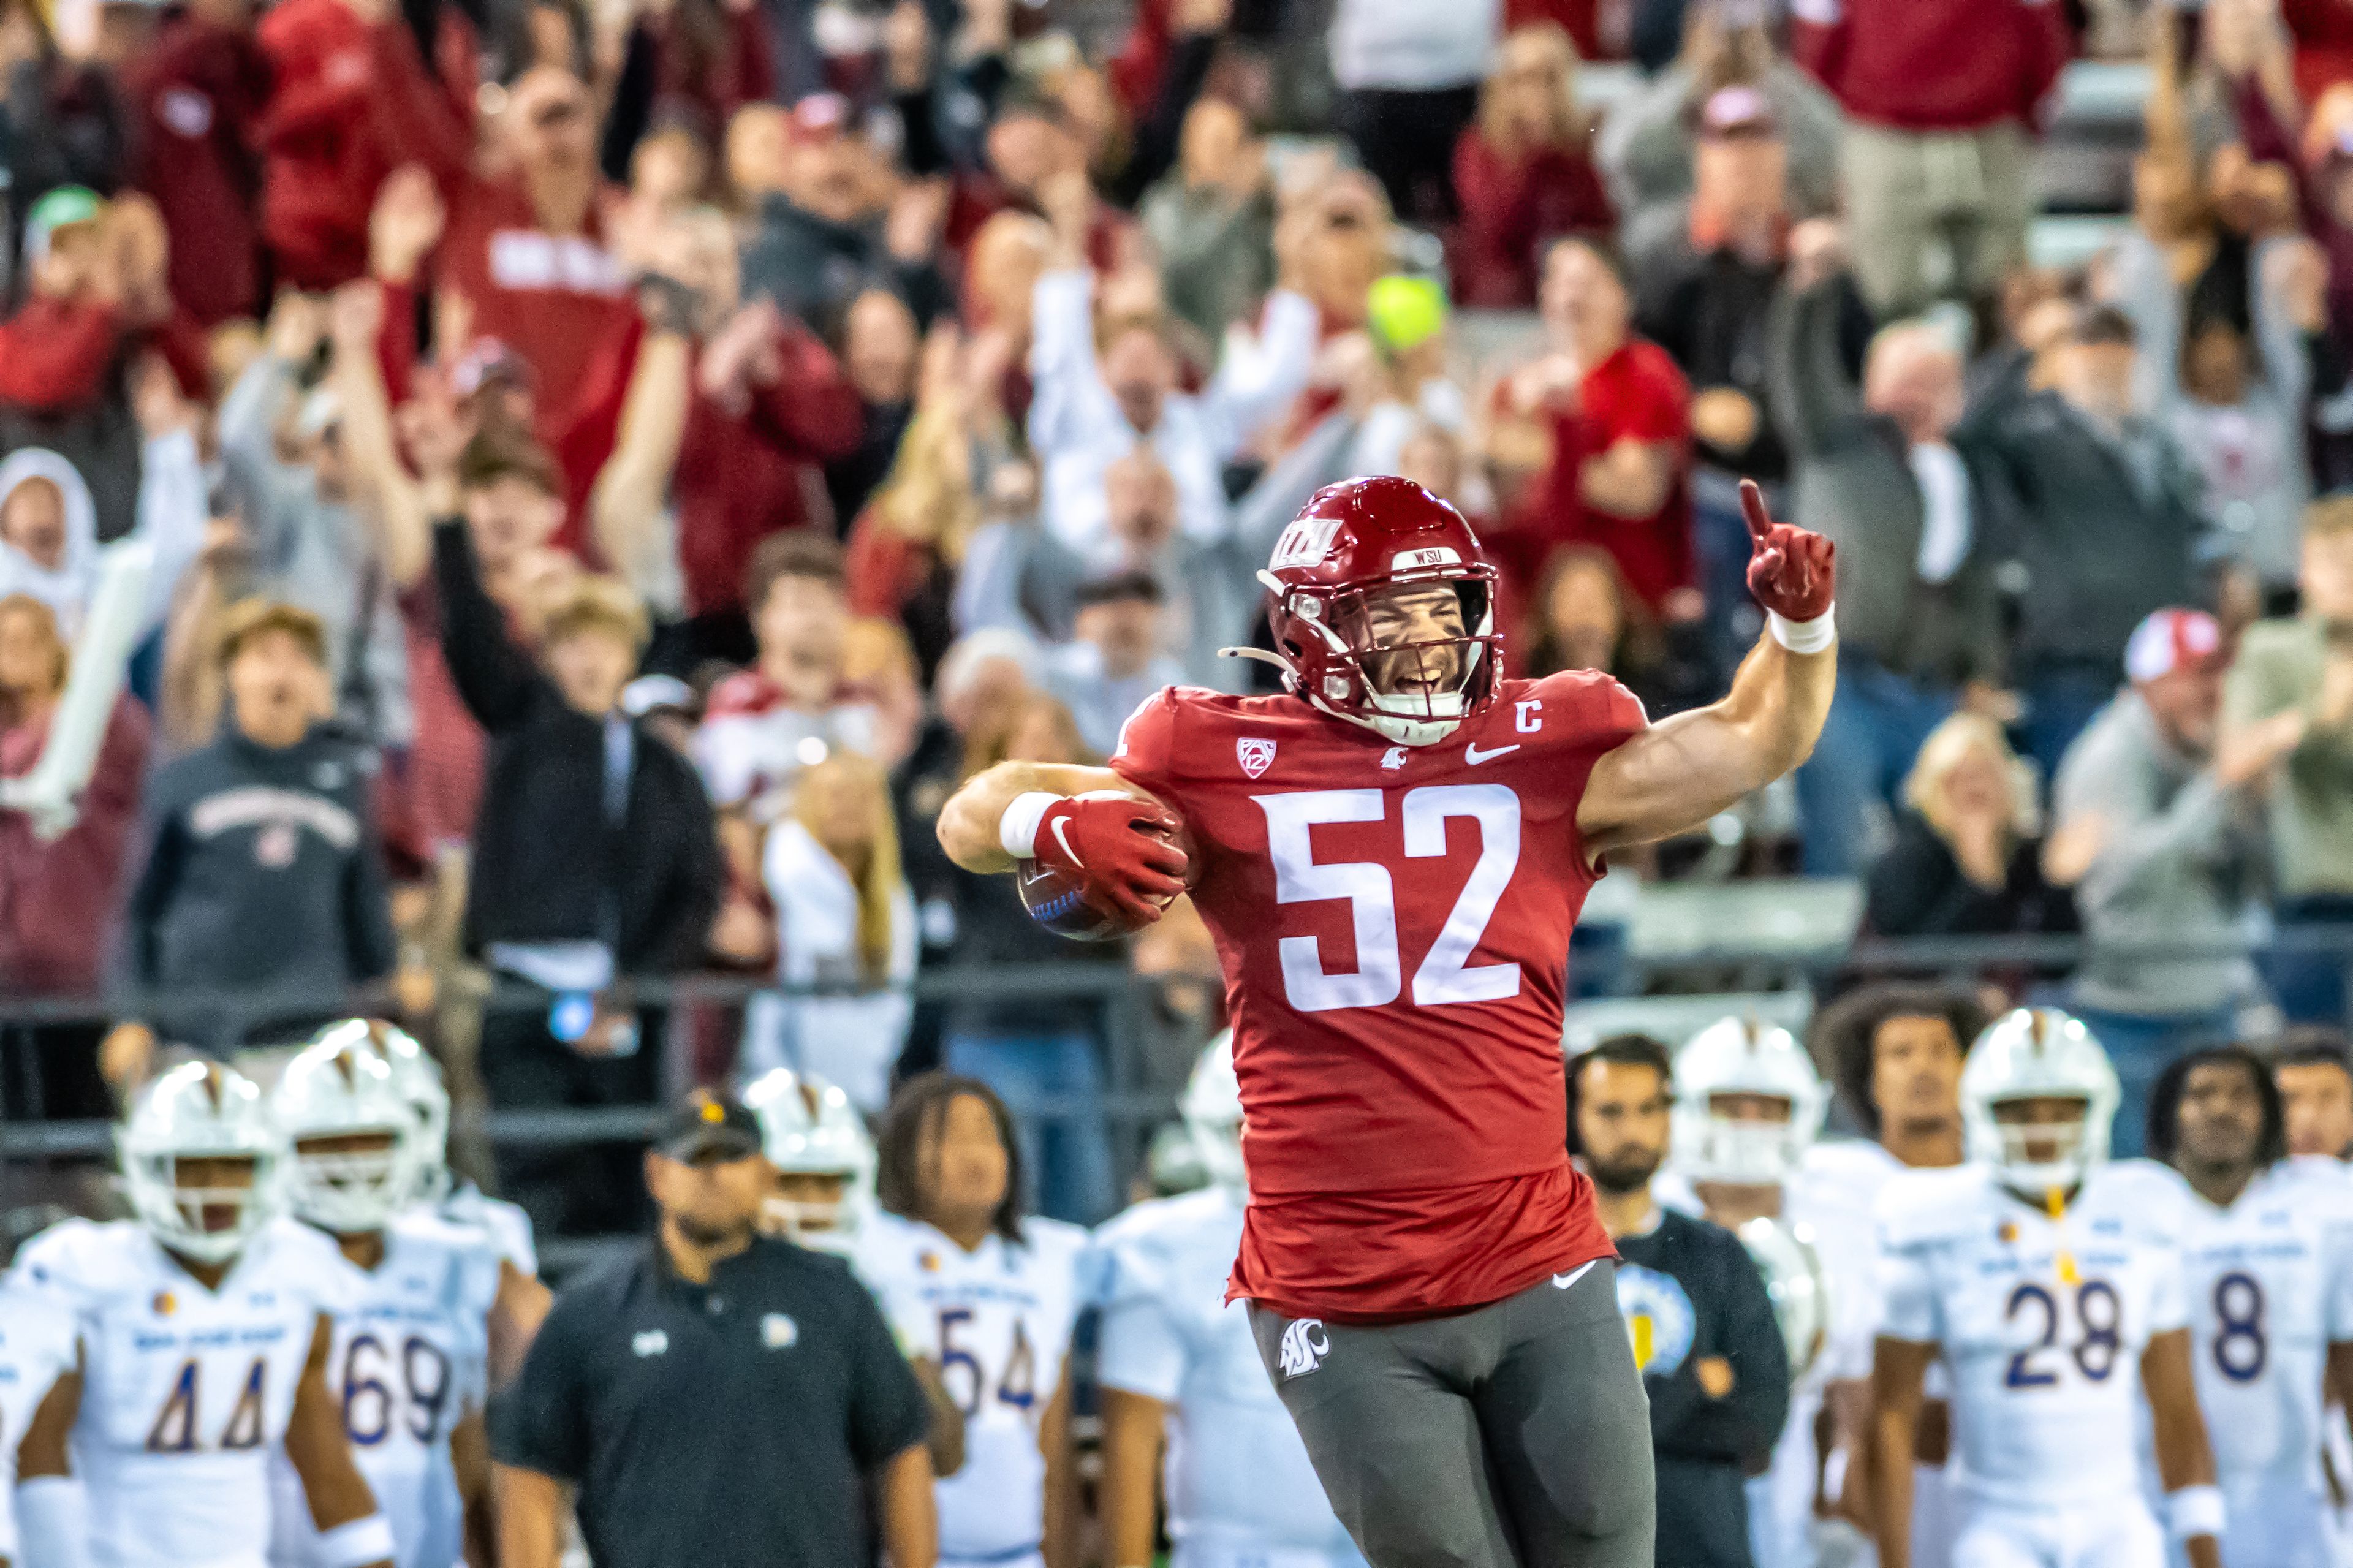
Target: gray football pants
1517,1436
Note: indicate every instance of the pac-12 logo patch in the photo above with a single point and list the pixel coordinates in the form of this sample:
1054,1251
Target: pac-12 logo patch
1304,1346
1256,754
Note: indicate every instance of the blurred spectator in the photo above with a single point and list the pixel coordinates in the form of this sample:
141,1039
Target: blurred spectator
1408,74
1119,656
881,349
59,896
819,197
2313,1067
62,123
262,904
1093,404
1940,96
282,443
633,898
357,89
1523,173
2107,525
1878,471
2156,843
1968,856
1212,221
1600,426
1039,1050
200,94
1646,144
844,919
2288,723
688,66
1583,618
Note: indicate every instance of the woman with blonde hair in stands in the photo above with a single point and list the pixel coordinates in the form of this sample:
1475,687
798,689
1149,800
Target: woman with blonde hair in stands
844,926
1967,855
1524,171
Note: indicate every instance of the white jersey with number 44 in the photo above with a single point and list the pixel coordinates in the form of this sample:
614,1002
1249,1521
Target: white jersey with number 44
407,1364
2041,1321
996,1321
2270,1282
186,1391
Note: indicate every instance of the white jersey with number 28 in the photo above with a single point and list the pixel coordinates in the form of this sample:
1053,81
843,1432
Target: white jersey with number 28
186,1391
407,1364
2041,1321
996,1322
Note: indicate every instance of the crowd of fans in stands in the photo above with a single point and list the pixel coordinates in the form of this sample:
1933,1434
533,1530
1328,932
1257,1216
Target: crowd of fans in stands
607,473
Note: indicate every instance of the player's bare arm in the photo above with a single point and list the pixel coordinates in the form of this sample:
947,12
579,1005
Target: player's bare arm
2185,1462
319,1448
1674,775
516,1315
1899,1379
945,1438
469,1458
1135,1426
531,1517
51,1512
1060,1545
969,826
909,1514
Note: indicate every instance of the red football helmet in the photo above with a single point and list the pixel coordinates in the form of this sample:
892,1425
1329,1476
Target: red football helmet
1351,540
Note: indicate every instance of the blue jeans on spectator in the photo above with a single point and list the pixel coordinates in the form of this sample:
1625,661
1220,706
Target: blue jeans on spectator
2309,983
2138,1045
2059,703
1053,1086
1876,723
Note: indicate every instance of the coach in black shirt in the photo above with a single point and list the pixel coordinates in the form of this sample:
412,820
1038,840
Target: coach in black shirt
718,1400
1713,1359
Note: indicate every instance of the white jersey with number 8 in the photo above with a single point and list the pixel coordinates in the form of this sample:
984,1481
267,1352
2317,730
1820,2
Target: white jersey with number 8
996,1322
2270,1281
407,1364
186,1391
2043,1323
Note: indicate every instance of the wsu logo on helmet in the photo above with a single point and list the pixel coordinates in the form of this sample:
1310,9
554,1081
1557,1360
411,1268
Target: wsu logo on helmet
1304,1346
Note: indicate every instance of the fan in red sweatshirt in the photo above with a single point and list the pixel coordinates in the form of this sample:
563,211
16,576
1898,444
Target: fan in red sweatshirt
200,94
1934,65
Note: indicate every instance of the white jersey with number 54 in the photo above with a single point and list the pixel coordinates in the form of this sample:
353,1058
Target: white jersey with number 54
996,1322
407,1364
186,1391
2041,1321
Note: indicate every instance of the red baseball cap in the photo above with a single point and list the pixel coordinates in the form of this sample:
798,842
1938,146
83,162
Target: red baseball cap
2171,640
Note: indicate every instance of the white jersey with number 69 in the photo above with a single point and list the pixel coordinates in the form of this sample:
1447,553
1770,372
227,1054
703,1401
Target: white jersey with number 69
406,1365
996,1322
186,1391
2043,1323
2270,1281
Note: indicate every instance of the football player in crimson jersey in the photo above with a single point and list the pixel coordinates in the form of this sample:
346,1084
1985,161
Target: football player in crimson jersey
1390,855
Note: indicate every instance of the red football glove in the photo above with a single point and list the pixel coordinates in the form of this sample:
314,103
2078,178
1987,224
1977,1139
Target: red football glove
1122,849
1792,573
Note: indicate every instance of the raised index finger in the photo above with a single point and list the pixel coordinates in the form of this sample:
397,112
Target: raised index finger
1752,507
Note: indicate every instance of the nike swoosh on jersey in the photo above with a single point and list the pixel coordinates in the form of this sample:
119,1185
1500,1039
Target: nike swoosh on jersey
1563,1281
1470,753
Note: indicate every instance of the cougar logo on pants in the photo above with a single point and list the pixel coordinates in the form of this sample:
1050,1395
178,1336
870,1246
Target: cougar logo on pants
1304,1346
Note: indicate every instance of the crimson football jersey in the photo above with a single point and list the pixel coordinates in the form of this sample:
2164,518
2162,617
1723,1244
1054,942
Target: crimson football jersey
1394,924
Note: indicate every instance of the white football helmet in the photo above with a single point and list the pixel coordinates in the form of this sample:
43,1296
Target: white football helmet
416,1078
807,1127
201,1110
1795,1279
340,1087
1212,1107
1743,1056
2037,1053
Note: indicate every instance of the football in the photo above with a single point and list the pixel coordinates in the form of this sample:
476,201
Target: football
1056,900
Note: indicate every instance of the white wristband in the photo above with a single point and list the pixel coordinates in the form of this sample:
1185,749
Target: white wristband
2194,1510
1804,637
53,1521
1017,830
361,1541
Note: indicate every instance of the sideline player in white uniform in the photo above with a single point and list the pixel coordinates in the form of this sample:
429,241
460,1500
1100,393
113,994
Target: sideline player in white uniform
204,1329
989,1297
1748,1104
36,1348
824,1160
2268,1257
1176,1364
522,1300
2047,1277
408,1365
